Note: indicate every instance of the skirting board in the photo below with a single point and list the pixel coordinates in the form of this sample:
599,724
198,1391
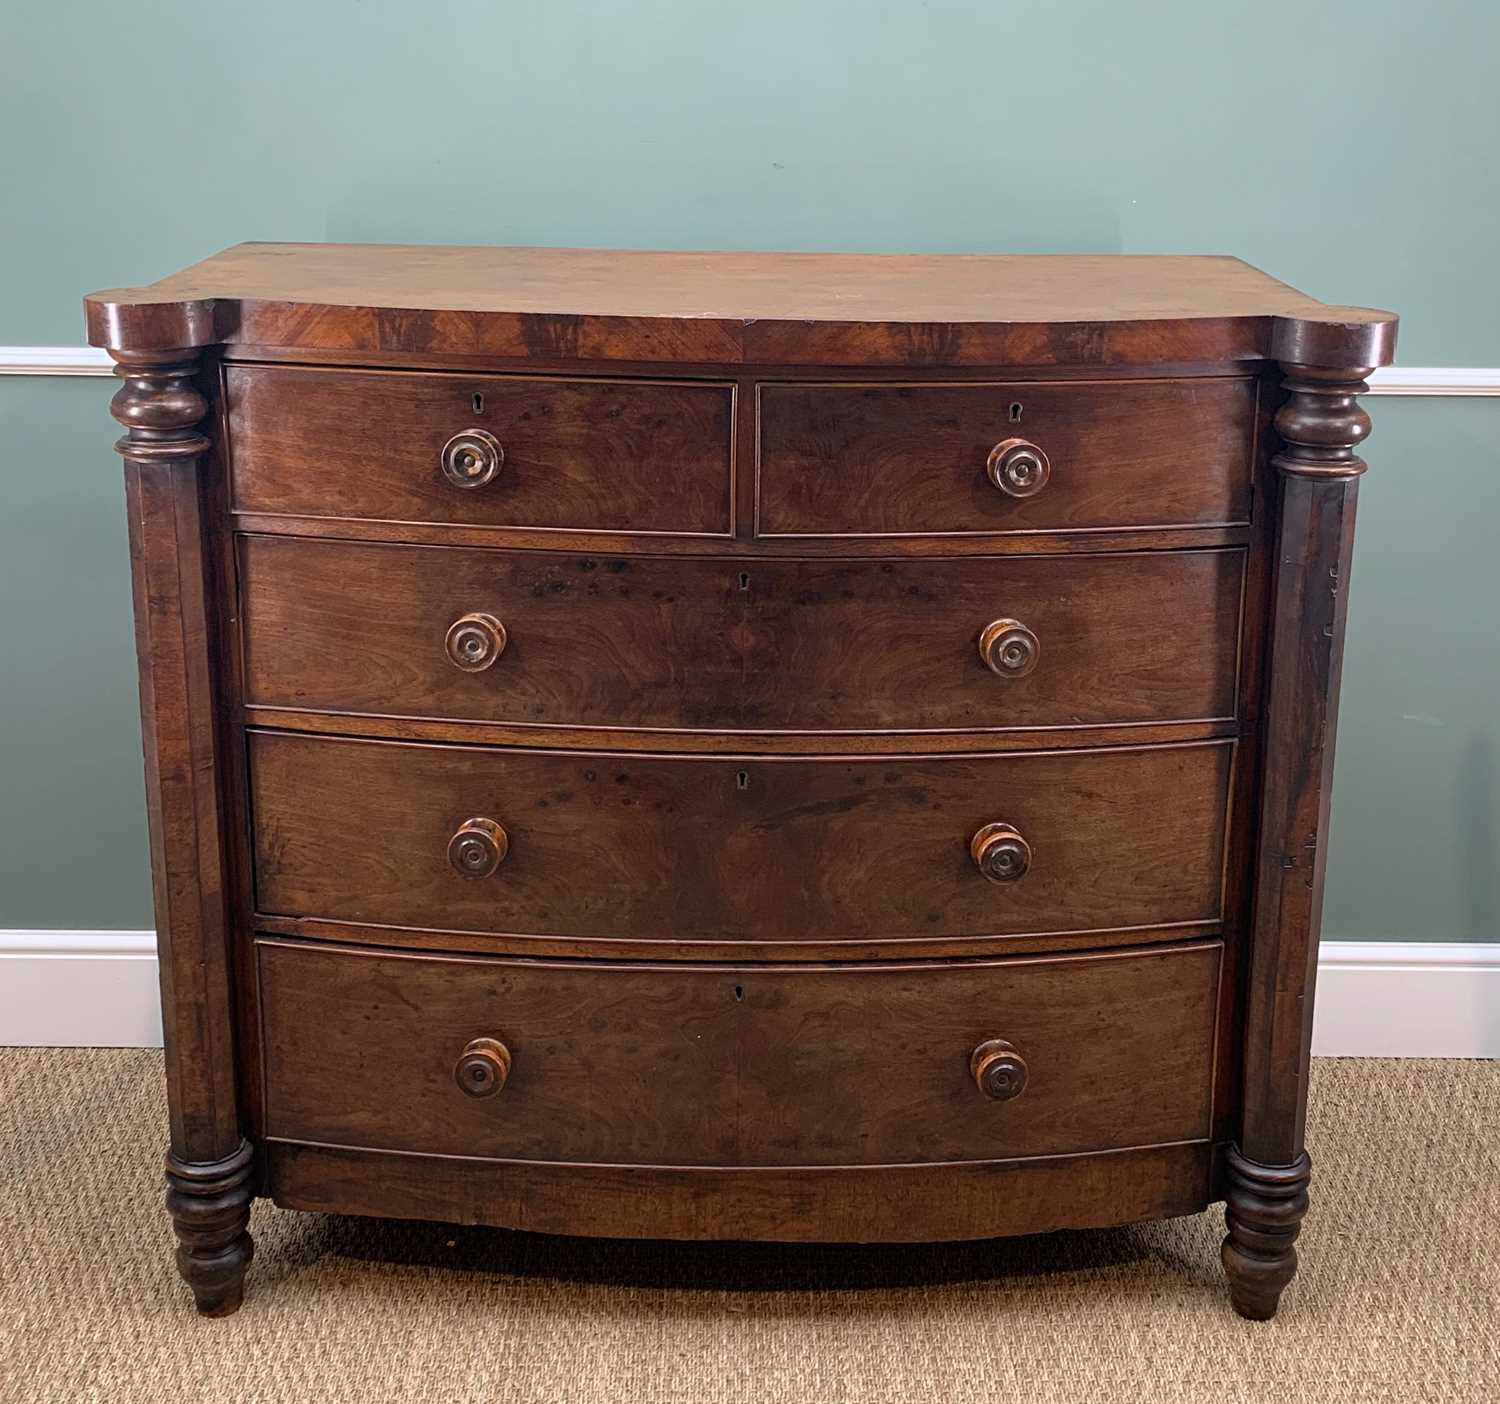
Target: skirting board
79,989
1376,999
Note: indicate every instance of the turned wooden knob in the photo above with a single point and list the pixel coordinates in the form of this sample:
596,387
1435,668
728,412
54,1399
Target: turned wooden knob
1000,853
478,848
999,1069
482,1067
1009,648
1018,468
474,641
472,459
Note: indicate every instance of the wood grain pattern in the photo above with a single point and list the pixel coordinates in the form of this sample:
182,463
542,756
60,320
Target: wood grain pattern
888,1204
751,849
727,308
730,1065
587,455
741,644
846,460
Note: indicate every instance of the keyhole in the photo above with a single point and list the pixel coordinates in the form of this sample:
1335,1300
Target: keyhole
739,992
479,404
1015,412
744,580
742,780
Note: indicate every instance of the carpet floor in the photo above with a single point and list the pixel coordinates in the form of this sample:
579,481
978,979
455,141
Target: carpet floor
1398,1297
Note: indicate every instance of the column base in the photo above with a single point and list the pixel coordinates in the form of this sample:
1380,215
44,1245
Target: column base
210,1207
1263,1210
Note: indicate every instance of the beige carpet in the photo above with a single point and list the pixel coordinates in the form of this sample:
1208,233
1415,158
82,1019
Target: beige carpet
1398,1299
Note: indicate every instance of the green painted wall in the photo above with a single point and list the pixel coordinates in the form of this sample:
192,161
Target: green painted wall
1346,146
72,808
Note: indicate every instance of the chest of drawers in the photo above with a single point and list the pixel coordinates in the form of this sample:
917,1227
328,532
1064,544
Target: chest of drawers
737,746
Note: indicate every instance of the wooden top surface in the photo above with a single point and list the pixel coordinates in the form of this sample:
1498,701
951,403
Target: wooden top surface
622,304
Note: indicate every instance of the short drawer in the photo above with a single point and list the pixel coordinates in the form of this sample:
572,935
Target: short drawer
760,1065
500,451
892,460
543,638
676,849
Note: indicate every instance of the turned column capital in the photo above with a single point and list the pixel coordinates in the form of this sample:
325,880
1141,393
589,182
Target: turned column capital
1324,362
1322,422
159,404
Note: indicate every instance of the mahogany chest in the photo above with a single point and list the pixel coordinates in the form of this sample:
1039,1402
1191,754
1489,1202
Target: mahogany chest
738,746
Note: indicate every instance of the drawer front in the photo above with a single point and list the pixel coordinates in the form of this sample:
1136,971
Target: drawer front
540,638
680,849
760,1065
865,460
504,451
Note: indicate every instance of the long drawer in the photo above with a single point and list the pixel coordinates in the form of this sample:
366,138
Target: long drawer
482,450
534,637
890,460
661,848
717,1065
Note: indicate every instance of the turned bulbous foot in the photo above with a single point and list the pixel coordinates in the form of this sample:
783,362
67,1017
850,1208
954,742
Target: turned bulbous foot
1263,1210
210,1207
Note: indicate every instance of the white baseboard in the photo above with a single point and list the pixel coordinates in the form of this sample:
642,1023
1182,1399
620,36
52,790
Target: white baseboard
1407,999
79,989
1376,999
